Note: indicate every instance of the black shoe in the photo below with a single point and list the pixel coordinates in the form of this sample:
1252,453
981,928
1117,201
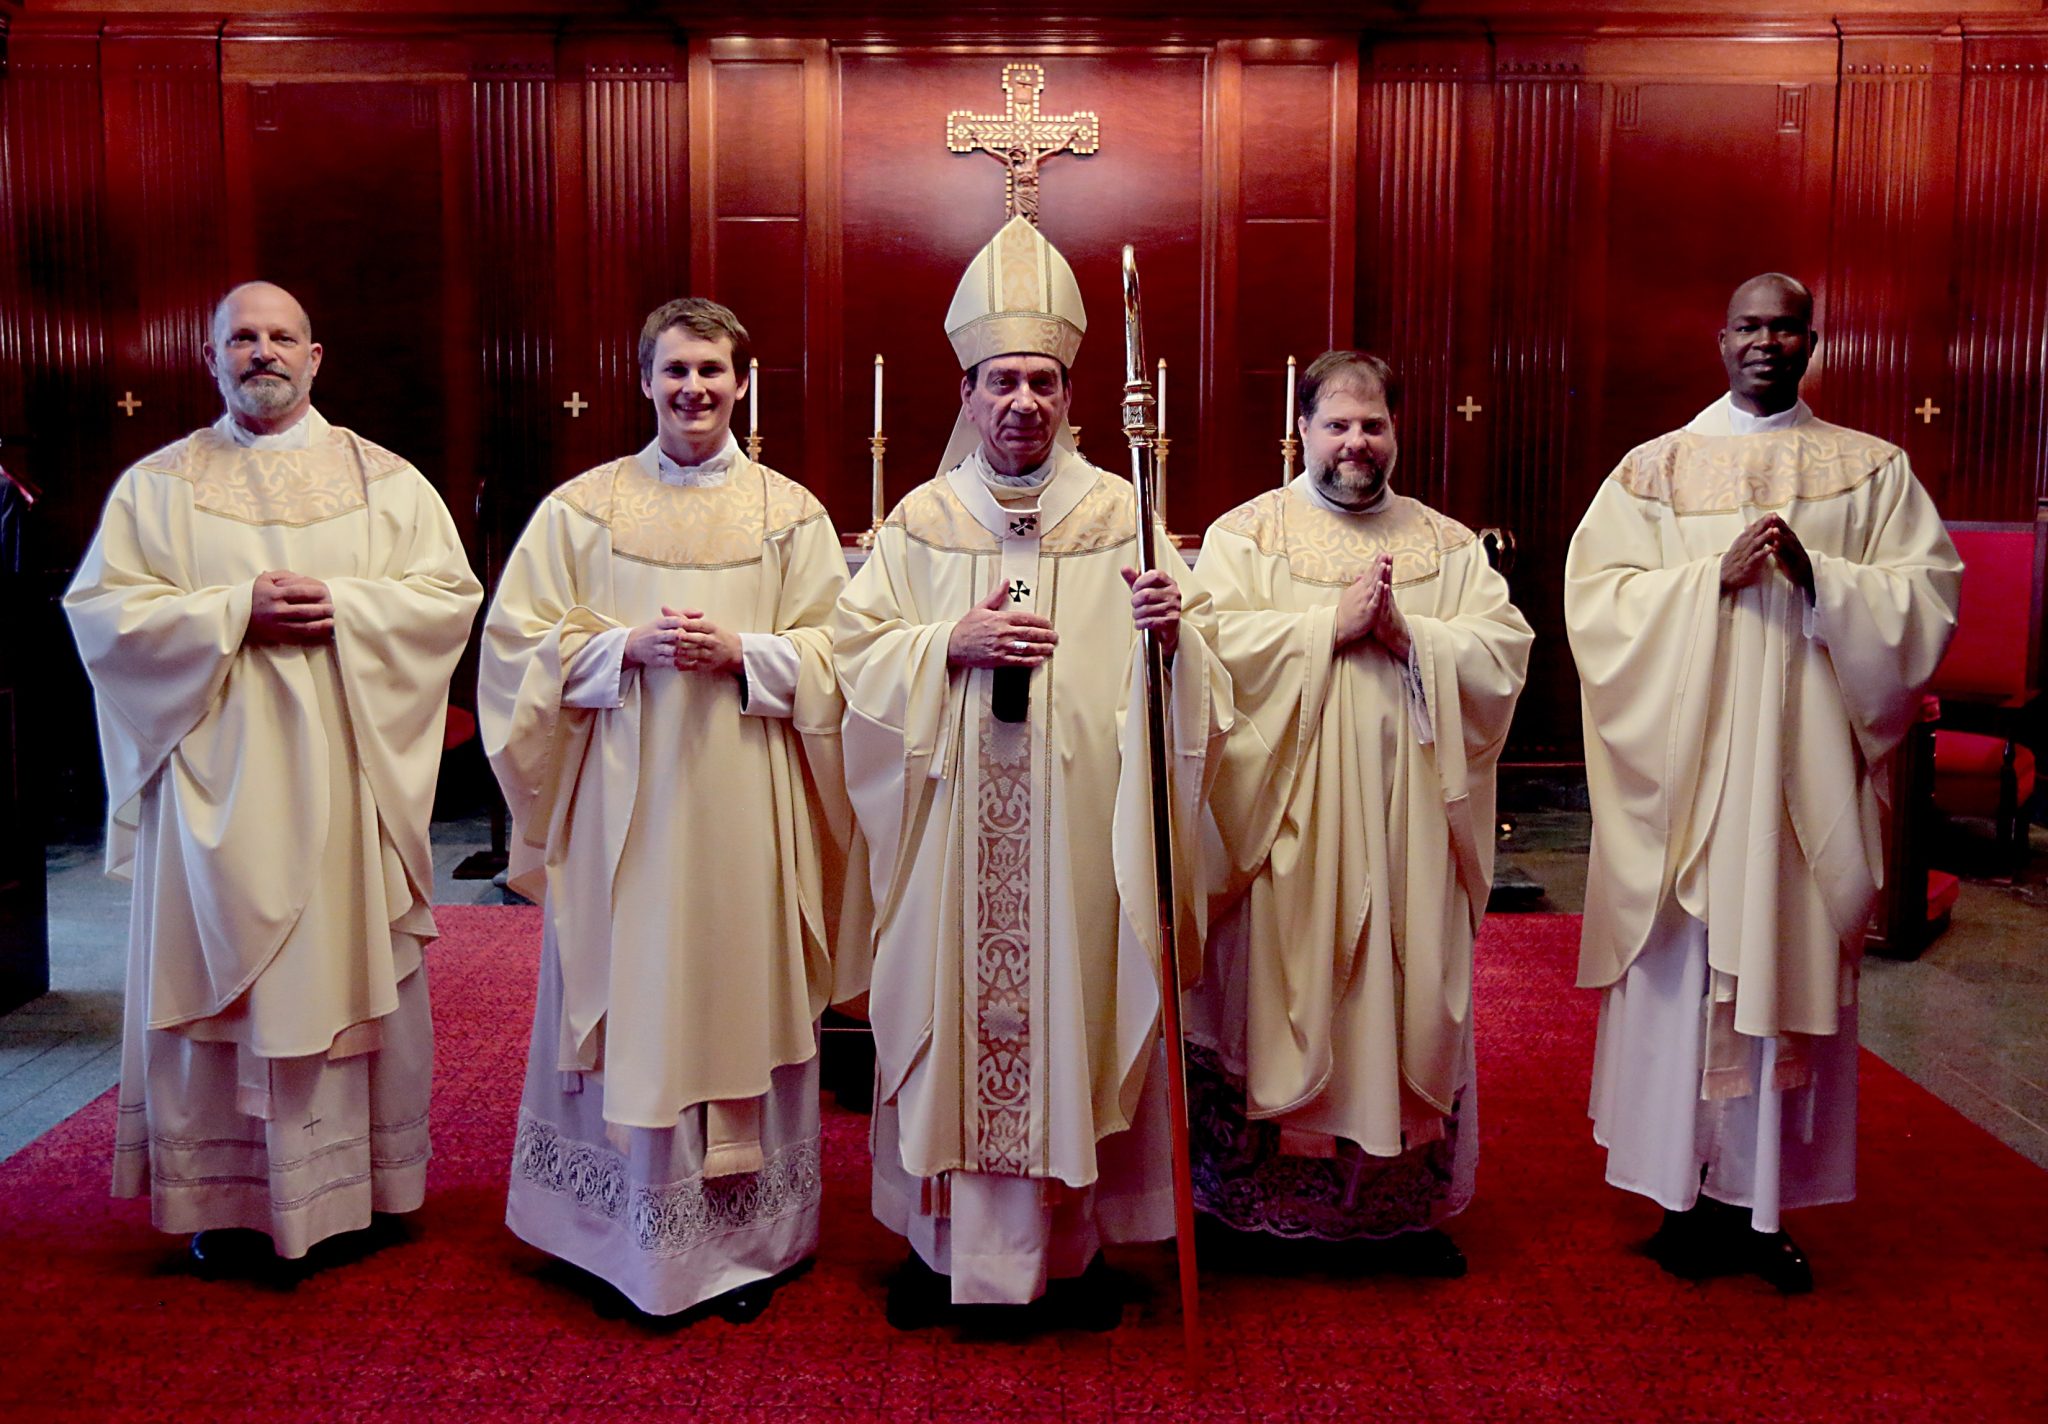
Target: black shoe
1778,1259
919,1297
1093,1300
743,1305
1690,1244
226,1252
1428,1255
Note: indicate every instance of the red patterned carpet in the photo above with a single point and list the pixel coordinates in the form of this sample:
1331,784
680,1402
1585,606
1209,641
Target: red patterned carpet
1933,1300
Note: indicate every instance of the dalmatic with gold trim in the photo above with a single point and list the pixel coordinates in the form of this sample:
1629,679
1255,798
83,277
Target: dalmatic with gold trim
1012,989
1354,802
271,805
690,860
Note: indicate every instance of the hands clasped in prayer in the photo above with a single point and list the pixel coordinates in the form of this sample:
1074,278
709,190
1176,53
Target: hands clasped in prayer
289,608
1367,610
1754,548
685,640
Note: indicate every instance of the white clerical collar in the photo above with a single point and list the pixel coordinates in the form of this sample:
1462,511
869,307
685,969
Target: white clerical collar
711,472
1724,417
1024,482
296,436
1313,493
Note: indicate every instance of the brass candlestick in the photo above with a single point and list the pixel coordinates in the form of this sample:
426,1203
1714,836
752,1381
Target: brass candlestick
1290,451
1160,445
877,443
754,445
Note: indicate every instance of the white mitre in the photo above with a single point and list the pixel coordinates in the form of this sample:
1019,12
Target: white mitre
1018,296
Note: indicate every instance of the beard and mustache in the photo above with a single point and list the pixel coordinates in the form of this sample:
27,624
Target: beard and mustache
1355,485
262,391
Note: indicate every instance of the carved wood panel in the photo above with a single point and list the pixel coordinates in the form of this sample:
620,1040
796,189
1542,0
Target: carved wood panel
2000,345
1424,223
1544,146
914,214
165,193
761,236
630,182
1287,219
514,309
1883,344
56,149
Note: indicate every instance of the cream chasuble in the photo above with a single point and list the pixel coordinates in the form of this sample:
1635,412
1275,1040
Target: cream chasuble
271,803
1013,990
1734,743
690,857
1354,802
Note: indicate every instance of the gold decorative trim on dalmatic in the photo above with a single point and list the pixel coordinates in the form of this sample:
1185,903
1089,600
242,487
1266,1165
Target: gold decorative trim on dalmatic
689,526
1725,474
1322,547
322,481
933,515
1002,949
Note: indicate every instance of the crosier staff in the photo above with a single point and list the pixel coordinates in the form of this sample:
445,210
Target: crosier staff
1140,431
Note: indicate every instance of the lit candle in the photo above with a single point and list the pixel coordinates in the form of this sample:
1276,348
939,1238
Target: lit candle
1162,395
753,397
1287,415
878,498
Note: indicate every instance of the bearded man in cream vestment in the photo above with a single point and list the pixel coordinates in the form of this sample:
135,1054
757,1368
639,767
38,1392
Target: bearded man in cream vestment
1376,661
270,613
1014,994
658,701
1755,603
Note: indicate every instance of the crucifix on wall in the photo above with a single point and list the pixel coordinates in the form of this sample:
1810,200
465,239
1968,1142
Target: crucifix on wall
1020,137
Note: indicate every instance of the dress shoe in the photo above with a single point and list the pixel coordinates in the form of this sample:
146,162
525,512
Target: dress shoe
1093,1300
1429,1255
1778,1259
919,1297
231,1251
743,1305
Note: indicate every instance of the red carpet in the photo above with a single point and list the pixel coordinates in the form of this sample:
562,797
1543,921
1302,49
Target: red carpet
1933,1300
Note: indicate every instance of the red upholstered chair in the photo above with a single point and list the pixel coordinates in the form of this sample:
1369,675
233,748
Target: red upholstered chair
1990,684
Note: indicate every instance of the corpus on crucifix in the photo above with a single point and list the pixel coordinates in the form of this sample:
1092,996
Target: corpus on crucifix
1020,137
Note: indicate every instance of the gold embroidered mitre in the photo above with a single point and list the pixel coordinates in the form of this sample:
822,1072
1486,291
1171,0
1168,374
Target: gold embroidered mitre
1017,295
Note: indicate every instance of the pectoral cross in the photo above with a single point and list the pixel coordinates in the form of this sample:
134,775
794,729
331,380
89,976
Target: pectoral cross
1020,137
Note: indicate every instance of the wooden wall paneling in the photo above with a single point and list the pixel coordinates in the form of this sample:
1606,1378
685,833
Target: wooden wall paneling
12,422
1999,350
1719,157
338,184
56,149
512,309
166,210
912,214
1424,233
631,178
1294,228
1545,301
758,113
1883,350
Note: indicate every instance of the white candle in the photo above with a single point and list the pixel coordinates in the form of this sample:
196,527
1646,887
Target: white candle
1287,415
1162,395
753,397
878,499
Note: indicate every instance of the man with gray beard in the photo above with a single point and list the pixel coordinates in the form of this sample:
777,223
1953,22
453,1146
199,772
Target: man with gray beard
270,613
1376,661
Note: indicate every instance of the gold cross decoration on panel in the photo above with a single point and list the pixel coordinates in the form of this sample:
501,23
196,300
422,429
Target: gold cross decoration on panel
1020,137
